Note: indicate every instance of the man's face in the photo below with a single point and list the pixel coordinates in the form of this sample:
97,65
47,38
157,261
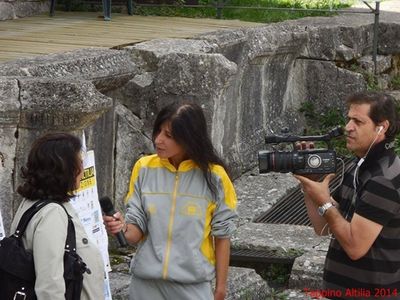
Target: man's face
361,130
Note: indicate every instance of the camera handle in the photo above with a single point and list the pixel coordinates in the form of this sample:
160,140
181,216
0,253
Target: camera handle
275,139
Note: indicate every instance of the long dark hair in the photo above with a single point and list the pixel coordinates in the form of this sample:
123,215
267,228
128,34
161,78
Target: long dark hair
189,129
52,167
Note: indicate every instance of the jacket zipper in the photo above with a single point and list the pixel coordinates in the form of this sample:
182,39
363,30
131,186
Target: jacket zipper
170,226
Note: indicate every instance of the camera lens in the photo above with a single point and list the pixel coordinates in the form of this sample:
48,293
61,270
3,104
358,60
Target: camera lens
280,161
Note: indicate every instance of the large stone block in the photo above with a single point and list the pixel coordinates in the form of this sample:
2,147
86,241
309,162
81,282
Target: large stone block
341,43
274,39
29,8
389,38
60,104
307,270
9,102
150,52
285,241
327,85
383,63
230,42
258,193
63,105
6,11
100,137
264,76
107,69
349,36
9,117
203,75
8,143
131,144
170,76
245,284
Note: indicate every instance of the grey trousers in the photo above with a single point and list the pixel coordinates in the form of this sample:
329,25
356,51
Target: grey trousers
143,289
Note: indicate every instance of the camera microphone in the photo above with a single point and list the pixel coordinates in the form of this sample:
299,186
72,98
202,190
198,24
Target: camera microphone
108,209
276,139
272,139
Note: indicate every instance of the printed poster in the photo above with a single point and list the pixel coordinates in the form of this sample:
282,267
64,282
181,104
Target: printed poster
86,204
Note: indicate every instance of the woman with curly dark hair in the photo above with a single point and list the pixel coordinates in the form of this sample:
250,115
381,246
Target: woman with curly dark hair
52,173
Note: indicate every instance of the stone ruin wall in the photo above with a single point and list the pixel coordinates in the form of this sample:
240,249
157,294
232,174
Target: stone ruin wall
13,9
250,82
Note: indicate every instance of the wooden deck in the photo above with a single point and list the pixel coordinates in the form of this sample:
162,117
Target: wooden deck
66,31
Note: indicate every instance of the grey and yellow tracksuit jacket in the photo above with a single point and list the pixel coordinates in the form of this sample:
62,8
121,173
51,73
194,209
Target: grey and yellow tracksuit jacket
179,217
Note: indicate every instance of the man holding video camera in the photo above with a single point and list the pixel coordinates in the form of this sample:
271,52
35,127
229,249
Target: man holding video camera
363,213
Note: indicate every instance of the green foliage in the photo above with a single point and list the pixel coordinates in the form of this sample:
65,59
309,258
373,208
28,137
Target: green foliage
372,81
395,82
248,14
276,295
276,274
268,16
201,12
370,78
320,122
254,12
262,293
324,120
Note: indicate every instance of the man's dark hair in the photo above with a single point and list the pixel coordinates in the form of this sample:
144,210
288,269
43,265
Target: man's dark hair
189,129
52,166
382,107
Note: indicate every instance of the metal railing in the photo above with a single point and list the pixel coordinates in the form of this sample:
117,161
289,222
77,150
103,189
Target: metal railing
220,5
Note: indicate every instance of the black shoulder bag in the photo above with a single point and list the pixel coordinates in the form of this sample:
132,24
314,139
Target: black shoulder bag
17,270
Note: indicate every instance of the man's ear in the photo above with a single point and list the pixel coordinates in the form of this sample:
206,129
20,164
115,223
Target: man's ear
383,127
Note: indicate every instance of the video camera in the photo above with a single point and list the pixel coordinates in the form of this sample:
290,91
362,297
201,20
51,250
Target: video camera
309,161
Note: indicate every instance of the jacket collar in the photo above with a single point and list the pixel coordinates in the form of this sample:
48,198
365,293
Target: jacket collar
384,148
184,166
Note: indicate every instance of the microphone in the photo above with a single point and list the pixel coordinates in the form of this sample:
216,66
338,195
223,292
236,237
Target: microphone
108,208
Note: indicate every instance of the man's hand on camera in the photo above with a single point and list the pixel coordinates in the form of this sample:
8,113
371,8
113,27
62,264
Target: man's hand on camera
304,145
317,191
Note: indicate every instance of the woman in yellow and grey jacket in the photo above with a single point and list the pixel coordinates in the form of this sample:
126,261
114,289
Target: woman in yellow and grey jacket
181,210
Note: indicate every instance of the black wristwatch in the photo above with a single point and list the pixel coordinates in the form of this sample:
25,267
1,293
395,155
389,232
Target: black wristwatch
323,208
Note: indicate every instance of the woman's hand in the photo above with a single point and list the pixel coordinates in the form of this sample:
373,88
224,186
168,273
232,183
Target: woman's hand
114,223
219,294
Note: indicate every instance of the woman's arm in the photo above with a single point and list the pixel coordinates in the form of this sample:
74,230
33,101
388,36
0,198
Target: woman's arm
222,254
